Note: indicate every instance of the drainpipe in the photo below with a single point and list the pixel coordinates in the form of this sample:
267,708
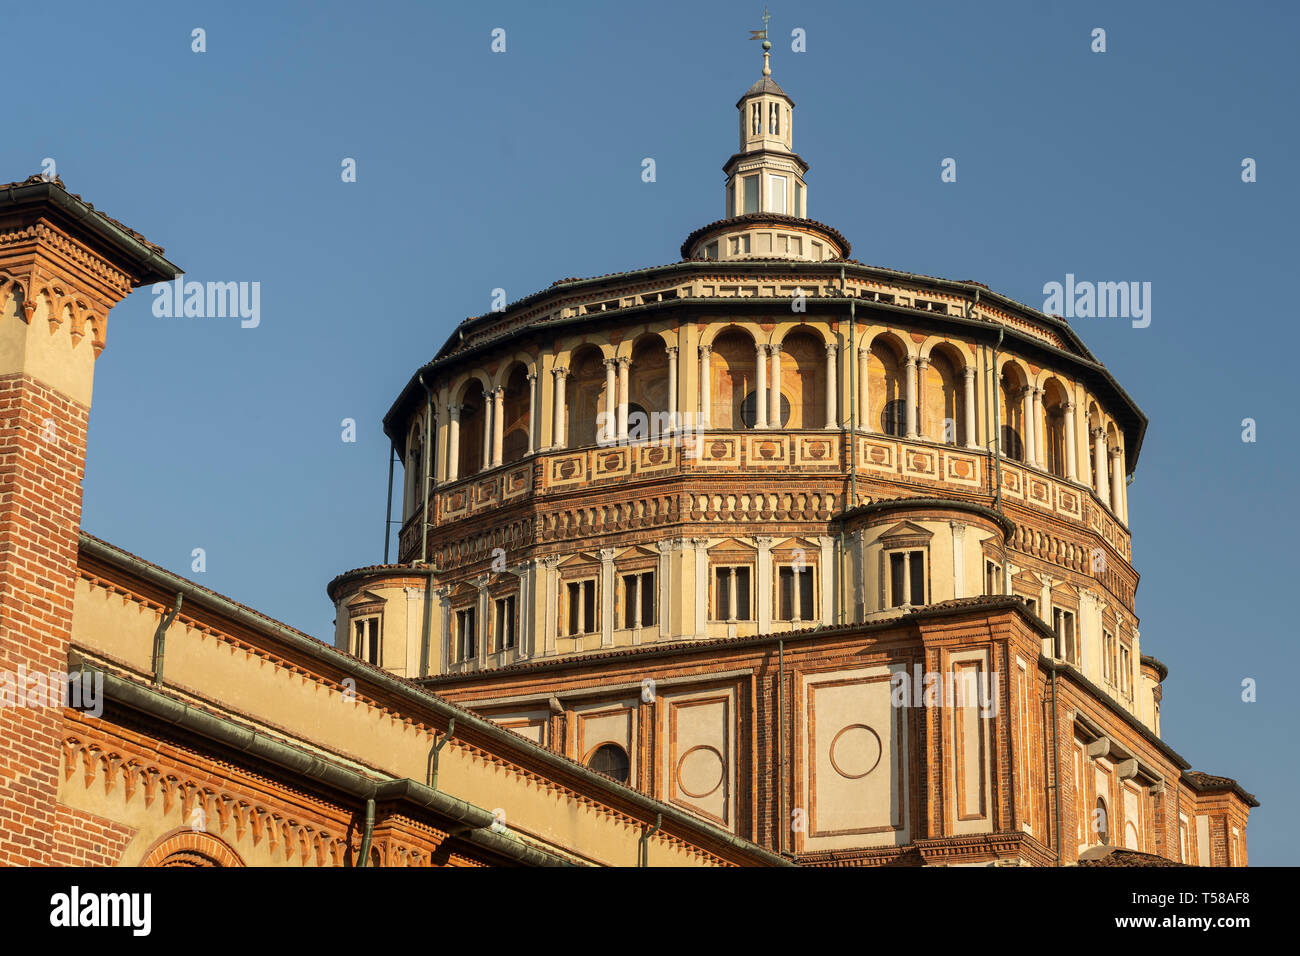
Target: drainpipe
1056,769
997,453
160,639
388,509
851,441
780,735
367,833
643,851
428,470
437,749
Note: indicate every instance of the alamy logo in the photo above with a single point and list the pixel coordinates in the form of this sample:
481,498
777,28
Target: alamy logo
211,300
75,908
1102,300
929,689
81,691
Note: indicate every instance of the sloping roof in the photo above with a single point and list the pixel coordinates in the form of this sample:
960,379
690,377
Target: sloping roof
1118,856
1208,783
765,84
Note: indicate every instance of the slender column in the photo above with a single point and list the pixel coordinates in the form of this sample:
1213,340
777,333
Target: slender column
488,403
623,364
706,385
672,388
532,412
1040,454
864,392
1027,413
610,432
774,393
1117,482
636,601
760,394
909,379
969,395
557,426
1071,452
1099,462
832,356
606,597
498,424
453,442
921,365
1123,491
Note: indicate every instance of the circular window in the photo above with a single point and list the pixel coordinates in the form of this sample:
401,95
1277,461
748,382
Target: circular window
749,416
893,418
611,760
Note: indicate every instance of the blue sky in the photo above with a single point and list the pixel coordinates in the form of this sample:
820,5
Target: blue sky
478,170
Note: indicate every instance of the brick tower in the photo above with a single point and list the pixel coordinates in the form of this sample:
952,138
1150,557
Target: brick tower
63,266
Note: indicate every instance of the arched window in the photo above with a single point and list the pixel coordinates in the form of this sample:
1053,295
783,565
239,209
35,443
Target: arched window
515,406
472,412
611,760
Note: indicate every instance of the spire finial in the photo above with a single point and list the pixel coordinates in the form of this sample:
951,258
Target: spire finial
767,44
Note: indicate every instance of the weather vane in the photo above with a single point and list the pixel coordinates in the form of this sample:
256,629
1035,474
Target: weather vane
767,44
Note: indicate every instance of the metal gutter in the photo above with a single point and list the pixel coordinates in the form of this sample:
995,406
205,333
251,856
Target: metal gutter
297,761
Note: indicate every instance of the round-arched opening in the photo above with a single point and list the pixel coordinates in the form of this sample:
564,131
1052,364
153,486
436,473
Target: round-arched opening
610,760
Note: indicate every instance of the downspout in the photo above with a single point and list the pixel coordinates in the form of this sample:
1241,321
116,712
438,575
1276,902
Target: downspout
437,749
427,461
428,470
388,509
364,855
997,451
1056,769
160,639
643,851
852,442
780,735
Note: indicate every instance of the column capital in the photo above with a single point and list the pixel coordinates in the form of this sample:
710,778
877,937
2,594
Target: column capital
969,371
670,349
559,371
958,526
606,554
910,359
1068,405
831,349
1097,432
1117,452
532,377
775,349
1026,390
623,361
454,411
611,363
763,541
760,348
923,361
705,350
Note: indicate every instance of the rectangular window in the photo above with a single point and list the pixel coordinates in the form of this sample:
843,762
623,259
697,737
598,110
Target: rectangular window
906,578
467,633
731,200
582,607
1066,641
365,639
749,189
505,622
639,599
731,594
1125,671
1108,657
776,187
795,594
798,200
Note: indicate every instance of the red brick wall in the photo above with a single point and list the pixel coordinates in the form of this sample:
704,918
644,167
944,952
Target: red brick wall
40,514
83,839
